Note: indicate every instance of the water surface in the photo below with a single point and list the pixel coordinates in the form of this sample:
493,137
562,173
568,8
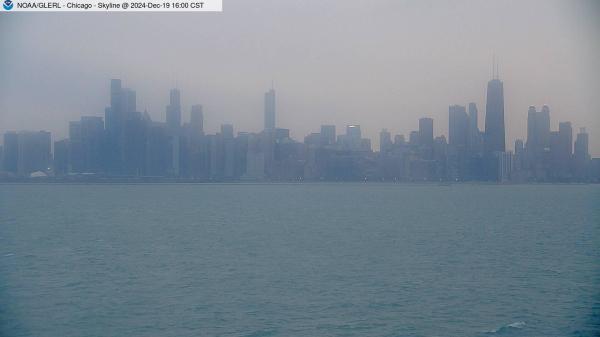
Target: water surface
299,260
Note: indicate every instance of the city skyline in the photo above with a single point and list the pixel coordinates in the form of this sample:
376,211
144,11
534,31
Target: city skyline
129,143
183,112
377,64
178,113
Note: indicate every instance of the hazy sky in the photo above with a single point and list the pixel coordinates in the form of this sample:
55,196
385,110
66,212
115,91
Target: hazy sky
372,62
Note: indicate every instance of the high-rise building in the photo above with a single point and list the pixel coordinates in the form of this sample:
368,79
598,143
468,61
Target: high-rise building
197,119
86,144
353,132
10,155
426,131
134,144
158,150
385,141
61,157
473,117
129,104
582,154
458,135
582,144
538,140
474,140
270,110
122,108
92,129
328,135
352,139
563,151
173,119
505,166
34,152
494,140
457,127
413,138
565,131
228,150
76,151
114,115
174,112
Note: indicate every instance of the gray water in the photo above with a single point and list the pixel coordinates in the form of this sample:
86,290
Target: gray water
299,260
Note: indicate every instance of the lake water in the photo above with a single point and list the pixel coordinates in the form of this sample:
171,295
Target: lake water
299,260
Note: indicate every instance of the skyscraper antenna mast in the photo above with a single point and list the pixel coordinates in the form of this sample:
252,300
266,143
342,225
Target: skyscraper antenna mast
497,70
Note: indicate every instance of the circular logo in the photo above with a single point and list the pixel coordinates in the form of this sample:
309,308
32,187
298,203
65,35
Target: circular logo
8,5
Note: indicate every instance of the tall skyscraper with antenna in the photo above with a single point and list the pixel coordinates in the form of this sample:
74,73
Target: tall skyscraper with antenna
494,140
174,111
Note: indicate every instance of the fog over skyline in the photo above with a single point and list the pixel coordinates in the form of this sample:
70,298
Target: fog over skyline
380,64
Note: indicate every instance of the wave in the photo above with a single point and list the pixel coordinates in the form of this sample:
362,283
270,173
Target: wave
508,327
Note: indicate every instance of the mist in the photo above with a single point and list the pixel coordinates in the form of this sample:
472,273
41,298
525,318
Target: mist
380,64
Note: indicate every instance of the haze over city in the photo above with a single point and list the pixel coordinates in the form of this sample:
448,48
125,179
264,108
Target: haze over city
378,64
300,168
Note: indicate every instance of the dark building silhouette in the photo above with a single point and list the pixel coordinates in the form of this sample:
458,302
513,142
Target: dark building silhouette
328,135
34,152
385,141
458,135
10,155
61,157
426,131
538,142
197,119
173,112
582,155
474,139
494,140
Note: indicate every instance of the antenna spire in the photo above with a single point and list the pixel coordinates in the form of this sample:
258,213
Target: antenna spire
497,70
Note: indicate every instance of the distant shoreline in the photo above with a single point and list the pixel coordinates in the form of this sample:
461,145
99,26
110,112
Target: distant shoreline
173,181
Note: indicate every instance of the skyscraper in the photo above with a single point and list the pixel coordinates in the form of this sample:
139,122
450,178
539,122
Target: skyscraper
494,140
270,110
61,157
582,155
564,152
34,152
122,108
474,141
327,135
114,113
385,141
473,118
582,145
426,131
174,111
353,137
538,139
458,127
457,140
197,119
10,156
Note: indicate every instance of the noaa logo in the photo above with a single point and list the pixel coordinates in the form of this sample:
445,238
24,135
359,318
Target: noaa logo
8,5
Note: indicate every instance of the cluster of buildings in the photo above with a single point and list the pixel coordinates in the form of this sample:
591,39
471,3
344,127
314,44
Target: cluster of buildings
128,144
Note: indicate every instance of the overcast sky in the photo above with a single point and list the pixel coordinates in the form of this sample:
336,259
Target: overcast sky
377,63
